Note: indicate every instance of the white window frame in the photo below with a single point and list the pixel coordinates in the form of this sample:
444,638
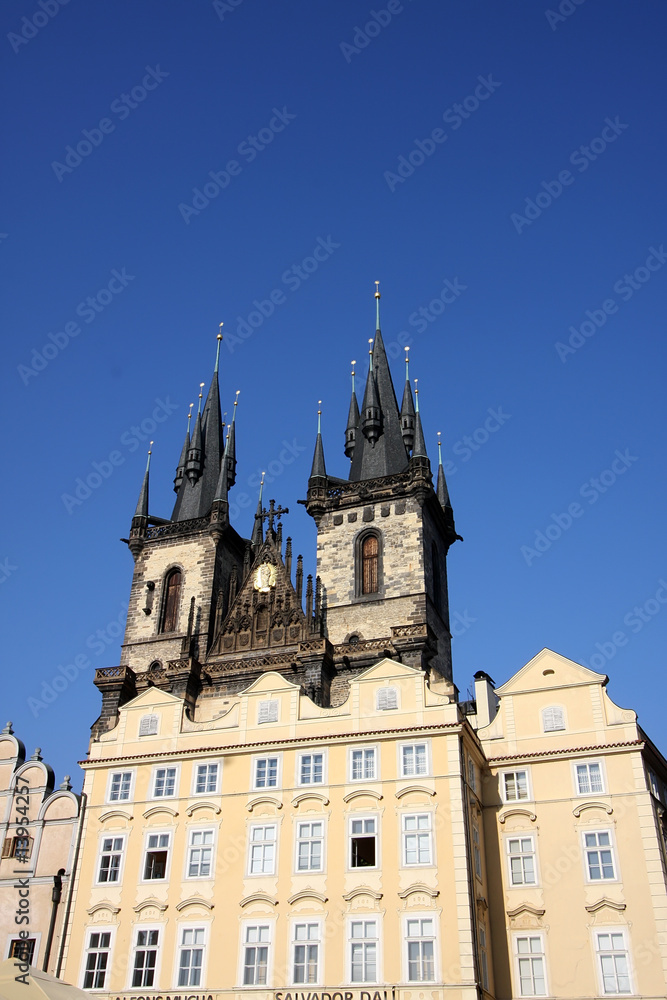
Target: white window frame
259,921
263,826
588,764
130,797
503,788
419,832
515,962
412,745
177,778
190,847
553,708
136,930
471,773
309,820
193,925
364,918
156,833
483,950
477,849
311,784
102,929
611,847
420,915
387,693
521,835
207,764
376,765
111,835
623,931
294,943
353,818
279,772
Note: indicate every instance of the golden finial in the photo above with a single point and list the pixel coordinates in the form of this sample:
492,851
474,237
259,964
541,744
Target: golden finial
417,394
217,353
319,416
220,331
190,414
377,289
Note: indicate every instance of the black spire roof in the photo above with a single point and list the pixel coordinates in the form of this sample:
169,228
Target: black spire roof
198,487
385,455
318,468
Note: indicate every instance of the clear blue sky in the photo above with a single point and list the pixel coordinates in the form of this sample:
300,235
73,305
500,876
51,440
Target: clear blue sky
534,198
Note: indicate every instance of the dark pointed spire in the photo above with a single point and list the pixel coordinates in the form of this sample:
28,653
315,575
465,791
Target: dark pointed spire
180,470
318,469
142,502
140,520
407,409
258,528
441,489
230,447
352,421
419,447
385,455
193,465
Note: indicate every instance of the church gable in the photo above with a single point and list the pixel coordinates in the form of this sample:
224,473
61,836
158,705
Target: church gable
547,671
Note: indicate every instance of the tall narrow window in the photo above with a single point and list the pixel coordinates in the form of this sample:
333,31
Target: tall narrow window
97,960
370,554
145,958
172,594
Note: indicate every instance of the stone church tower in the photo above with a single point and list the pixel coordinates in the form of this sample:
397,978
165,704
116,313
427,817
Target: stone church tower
210,611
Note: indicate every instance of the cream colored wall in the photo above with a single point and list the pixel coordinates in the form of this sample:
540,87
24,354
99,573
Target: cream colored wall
336,895
564,906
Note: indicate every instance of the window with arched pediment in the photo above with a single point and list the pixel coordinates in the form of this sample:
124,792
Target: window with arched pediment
368,564
171,601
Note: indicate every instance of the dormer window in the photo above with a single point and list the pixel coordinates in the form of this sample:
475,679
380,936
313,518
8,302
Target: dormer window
387,698
148,725
171,601
267,711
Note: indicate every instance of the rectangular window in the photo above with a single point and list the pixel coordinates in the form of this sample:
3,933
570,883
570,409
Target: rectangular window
145,958
476,851
414,760
363,951
148,725
310,838
521,851
515,786
471,774
266,772
206,779
530,966
614,965
421,950
18,847
267,711
363,765
23,949
119,786
311,769
200,853
483,957
306,949
97,960
553,719
589,779
157,854
363,843
256,955
262,850
111,855
387,699
599,856
191,956
417,840
164,783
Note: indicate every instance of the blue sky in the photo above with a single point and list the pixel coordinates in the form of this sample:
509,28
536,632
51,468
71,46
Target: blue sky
499,167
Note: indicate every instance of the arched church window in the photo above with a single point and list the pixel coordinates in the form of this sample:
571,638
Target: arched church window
172,597
370,565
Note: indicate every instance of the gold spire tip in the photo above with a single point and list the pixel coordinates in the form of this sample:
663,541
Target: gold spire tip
220,331
377,289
